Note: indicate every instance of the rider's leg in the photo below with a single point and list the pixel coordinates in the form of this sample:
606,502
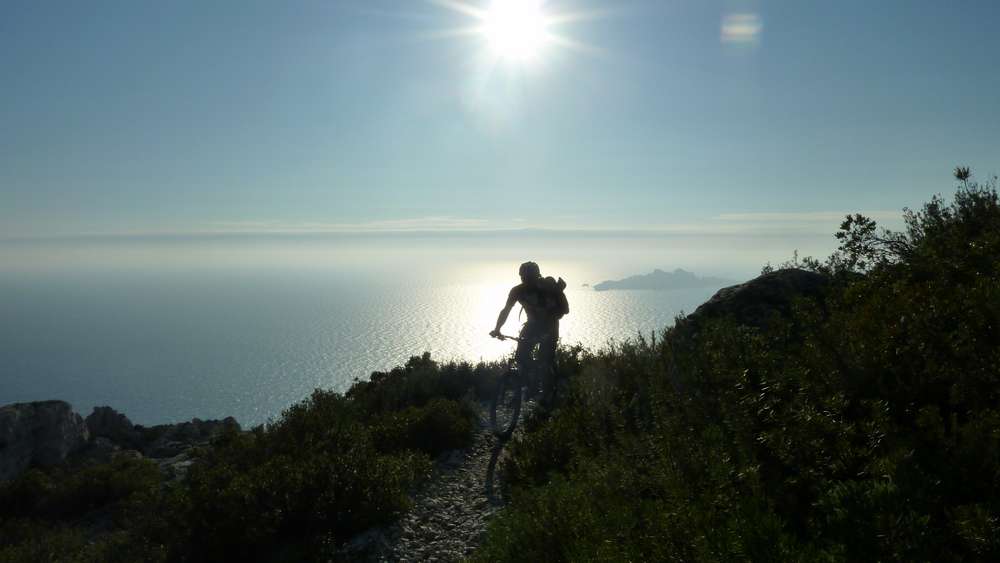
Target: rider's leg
522,357
547,367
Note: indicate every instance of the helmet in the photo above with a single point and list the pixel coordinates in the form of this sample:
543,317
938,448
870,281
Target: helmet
529,270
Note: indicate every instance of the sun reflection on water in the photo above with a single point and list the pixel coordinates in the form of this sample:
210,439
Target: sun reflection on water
468,309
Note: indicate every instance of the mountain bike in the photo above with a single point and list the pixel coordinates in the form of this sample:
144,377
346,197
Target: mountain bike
506,404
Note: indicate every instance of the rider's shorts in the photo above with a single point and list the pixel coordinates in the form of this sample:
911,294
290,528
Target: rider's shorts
546,334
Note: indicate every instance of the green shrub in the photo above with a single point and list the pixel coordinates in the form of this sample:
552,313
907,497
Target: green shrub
860,426
438,426
54,514
330,467
63,493
420,380
235,511
863,424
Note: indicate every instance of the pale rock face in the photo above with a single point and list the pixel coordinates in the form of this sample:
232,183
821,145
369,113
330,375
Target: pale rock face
41,433
46,433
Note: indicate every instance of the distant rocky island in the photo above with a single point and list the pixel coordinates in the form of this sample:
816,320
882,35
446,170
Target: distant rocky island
661,280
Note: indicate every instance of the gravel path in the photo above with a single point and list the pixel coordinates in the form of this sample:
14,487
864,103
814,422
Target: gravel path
450,512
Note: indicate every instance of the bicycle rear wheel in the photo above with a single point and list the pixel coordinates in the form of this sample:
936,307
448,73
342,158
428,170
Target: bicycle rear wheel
506,405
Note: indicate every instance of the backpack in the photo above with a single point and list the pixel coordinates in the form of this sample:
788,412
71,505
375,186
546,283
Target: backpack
552,297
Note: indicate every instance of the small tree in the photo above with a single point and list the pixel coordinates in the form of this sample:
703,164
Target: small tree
864,247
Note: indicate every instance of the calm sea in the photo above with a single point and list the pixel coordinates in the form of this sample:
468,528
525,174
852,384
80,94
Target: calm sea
212,340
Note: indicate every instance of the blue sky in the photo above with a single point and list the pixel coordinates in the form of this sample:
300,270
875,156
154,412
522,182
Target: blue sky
196,116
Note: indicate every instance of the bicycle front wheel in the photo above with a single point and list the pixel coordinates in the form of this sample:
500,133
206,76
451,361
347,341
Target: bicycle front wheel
506,405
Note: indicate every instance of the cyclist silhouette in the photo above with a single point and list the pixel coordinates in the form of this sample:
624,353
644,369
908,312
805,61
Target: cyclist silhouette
545,303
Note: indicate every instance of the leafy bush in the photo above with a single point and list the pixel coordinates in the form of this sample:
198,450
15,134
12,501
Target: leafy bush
330,467
864,425
422,379
52,515
63,494
438,426
859,424
248,496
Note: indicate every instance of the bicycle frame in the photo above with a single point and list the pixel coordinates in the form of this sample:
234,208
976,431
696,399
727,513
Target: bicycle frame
505,407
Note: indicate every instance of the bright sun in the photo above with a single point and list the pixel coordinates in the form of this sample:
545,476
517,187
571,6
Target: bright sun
515,29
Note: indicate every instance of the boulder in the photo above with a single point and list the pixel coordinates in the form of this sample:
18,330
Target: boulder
752,303
99,450
106,422
169,440
176,467
165,448
41,433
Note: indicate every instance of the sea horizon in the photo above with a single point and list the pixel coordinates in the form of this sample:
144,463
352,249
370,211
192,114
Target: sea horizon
168,331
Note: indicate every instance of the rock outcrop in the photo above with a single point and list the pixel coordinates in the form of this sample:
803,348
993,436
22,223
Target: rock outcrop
170,440
752,303
160,441
40,433
106,422
49,433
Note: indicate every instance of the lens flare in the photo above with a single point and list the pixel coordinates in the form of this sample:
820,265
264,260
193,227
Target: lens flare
741,29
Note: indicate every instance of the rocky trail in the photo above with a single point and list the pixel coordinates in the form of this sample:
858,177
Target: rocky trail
450,511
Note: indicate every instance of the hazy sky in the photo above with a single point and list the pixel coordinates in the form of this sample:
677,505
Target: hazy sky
192,116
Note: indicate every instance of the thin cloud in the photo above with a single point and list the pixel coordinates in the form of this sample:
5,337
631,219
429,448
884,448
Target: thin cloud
421,224
787,224
805,216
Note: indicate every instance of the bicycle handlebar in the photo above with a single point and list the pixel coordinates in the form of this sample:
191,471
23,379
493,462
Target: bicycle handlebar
501,336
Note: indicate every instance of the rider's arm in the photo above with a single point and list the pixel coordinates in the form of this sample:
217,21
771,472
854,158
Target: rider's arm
511,300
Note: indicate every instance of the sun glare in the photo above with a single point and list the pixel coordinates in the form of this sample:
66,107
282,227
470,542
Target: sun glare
515,29
517,32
